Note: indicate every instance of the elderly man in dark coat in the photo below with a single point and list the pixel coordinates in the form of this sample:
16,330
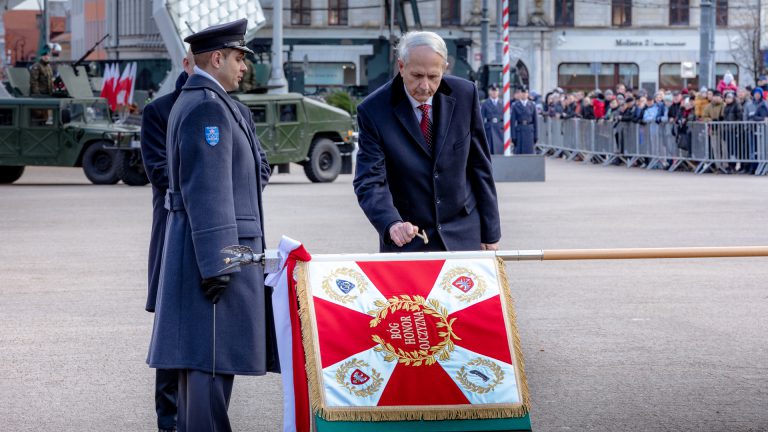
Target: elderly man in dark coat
154,124
419,168
523,124
211,324
493,119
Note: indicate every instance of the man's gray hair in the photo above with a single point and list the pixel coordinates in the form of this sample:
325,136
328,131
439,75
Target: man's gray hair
421,38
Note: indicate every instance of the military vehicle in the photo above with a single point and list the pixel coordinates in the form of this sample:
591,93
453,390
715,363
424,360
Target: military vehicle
294,128
79,132
75,131
66,132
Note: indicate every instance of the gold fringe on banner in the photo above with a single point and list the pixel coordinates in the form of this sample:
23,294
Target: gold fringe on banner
506,290
421,412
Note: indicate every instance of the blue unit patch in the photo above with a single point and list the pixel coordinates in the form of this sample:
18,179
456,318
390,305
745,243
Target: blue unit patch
344,285
212,135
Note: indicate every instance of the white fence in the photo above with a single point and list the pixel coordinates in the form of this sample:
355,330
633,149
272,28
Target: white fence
699,147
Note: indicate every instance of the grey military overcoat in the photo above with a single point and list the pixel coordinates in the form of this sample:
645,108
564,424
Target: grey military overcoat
493,121
216,170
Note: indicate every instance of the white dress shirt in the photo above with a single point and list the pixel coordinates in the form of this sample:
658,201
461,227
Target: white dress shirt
416,104
199,71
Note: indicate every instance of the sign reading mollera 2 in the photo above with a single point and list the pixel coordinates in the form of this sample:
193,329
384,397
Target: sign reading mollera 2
649,43
432,338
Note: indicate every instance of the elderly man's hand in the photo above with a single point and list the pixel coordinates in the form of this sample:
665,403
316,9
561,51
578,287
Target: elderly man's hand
489,246
402,233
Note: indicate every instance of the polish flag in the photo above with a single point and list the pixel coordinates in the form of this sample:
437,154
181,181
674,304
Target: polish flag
109,81
132,86
123,86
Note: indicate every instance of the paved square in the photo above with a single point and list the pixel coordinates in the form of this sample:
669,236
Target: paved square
609,346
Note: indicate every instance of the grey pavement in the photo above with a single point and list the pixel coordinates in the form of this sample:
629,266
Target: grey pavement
609,346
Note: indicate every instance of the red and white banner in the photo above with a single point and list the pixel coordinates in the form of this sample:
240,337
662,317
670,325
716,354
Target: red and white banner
410,337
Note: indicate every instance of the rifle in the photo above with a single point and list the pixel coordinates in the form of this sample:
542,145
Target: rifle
87,53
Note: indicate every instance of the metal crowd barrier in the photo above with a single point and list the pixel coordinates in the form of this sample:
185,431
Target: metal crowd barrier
699,147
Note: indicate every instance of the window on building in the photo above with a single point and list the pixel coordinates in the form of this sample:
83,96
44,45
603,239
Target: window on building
450,12
6,117
514,12
679,12
301,12
669,75
621,13
564,13
337,12
580,76
721,13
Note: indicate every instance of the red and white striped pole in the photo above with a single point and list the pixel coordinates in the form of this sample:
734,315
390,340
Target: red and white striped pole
505,79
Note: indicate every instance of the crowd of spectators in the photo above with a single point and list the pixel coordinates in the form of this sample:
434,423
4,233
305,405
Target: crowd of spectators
726,102
676,108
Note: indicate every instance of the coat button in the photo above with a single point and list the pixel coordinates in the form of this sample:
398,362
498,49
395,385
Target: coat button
436,176
437,201
439,228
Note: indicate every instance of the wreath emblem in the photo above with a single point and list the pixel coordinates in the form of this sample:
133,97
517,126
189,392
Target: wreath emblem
344,280
417,357
358,382
480,375
465,285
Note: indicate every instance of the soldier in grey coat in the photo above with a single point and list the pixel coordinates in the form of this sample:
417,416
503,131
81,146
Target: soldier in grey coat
523,123
209,324
493,120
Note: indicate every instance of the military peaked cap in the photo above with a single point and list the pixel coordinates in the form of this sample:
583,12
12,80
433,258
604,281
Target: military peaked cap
229,35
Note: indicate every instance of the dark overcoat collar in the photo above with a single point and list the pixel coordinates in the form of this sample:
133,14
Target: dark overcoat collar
442,105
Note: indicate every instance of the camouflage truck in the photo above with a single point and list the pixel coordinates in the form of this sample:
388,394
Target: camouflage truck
298,129
67,132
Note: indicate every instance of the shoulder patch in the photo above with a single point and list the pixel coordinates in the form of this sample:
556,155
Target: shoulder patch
212,135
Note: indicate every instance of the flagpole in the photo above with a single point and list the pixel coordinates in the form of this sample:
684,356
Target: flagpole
241,257
633,253
507,116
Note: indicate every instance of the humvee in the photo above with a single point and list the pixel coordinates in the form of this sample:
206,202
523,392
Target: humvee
67,132
75,132
79,132
298,129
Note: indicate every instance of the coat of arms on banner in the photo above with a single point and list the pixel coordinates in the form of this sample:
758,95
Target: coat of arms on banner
428,339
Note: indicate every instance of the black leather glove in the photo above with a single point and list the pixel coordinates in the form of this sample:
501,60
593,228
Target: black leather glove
214,287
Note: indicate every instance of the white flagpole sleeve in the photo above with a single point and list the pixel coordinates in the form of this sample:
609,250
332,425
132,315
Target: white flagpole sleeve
282,317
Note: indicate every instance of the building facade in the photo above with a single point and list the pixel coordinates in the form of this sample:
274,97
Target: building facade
89,25
572,44
133,37
565,43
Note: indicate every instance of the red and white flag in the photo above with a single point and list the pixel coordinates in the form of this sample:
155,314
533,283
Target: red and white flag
410,337
123,88
132,83
108,83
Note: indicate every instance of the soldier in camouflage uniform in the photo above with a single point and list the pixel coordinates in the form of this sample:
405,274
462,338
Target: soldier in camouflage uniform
41,76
